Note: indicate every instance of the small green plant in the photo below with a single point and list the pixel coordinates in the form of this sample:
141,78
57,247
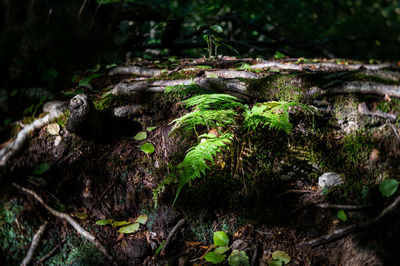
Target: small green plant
221,241
279,258
126,227
231,119
214,41
388,187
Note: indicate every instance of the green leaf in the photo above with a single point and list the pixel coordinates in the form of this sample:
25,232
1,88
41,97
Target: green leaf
281,256
216,28
118,223
275,263
142,219
238,258
81,215
388,187
94,69
160,247
147,147
111,66
150,128
207,67
214,257
141,135
341,214
214,76
41,169
220,238
129,229
103,222
279,55
221,250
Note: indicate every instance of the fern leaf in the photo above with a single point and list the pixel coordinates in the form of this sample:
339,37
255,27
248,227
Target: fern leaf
213,102
198,157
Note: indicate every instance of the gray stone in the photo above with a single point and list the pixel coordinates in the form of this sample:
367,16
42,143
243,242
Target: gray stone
330,179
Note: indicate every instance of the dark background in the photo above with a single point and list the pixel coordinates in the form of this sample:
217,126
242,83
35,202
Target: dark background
44,42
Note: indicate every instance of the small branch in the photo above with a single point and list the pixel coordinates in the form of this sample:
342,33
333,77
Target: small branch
171,235
343,207
34,244
11,149
363,109
366,88
135,70
45,257
255,256
318,66
340,233
395,131
80,230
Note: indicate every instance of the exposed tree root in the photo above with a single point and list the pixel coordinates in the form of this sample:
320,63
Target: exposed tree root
135,70
363,109
34,244
318,66
340,233
366,88
171,235
230,86
343,207
79,229
11,149
232,74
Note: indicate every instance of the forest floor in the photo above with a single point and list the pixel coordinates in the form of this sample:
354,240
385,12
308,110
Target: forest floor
262,190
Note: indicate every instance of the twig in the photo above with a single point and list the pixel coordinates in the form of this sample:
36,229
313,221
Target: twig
45,257
34,244
343,207
395,131
339,233
11,149
295,191
255,256
363,109
171,235
80,230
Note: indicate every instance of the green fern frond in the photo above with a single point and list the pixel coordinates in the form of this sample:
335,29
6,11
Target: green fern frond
210,118
213,102
197,159
273,114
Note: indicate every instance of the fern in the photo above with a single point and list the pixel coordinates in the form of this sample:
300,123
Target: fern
273,114
209,110
213,102
220,110
198,157
210,118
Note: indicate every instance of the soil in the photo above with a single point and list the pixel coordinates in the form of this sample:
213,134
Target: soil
261,210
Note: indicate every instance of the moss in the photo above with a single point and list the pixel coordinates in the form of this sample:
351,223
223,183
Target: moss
75,251
357,147
370,78
13,240
62,120
284,87
392,106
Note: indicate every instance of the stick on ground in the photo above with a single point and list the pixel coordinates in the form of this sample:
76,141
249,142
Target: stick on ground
70,220
171,235
34,244
340,233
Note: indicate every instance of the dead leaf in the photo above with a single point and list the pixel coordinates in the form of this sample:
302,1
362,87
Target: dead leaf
387,97
192,244
120,237
53,129
374,155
